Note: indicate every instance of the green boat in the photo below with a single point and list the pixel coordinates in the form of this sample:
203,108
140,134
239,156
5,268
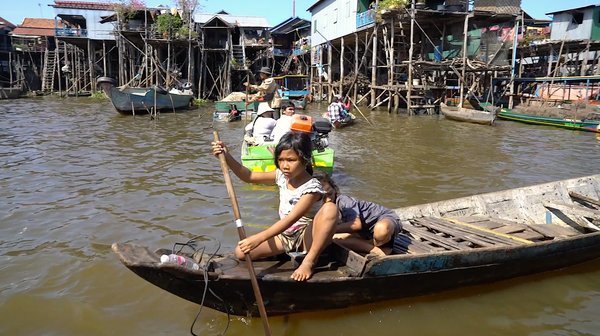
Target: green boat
259,158
225,110
591,123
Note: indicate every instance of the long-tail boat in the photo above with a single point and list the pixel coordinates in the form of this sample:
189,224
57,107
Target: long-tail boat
591,123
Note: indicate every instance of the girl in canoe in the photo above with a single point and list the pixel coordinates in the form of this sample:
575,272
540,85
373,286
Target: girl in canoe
302,225
363,226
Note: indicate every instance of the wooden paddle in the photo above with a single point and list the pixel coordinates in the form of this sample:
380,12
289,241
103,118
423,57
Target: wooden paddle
242,234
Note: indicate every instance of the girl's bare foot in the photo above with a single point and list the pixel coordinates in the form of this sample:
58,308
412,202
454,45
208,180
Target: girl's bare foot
303,272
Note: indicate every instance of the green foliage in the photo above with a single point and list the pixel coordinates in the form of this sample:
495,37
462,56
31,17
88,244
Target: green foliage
391,4
98,95
168,24
126,9
184,32
200,102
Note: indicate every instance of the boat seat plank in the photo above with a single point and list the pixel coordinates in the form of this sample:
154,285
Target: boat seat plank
579,197
554,231
405,244
511,228
432,238
530,234
575,215
457,234
353,261
576,210
484,223
477,235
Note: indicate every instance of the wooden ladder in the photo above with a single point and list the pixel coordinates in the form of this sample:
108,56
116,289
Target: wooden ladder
48,71
286,65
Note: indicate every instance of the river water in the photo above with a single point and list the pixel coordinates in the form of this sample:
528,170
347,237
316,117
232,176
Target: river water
76,177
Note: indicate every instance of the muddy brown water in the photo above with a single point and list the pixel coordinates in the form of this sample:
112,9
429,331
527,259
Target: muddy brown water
76,177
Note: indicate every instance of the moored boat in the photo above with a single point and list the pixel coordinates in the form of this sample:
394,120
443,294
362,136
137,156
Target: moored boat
591,123
12,92
294,88
129,100
234,110
468,115
443,245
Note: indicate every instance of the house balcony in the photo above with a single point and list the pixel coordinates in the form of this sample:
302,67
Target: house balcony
71,32
365,18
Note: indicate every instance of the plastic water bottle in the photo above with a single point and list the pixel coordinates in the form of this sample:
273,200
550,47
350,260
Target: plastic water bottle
179,260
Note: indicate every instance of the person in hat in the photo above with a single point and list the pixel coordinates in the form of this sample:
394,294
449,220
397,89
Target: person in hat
260,129
267,90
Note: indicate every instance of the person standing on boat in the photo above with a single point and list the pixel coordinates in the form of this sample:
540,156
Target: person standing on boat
261,127
284,123
363,226
267,91
304,225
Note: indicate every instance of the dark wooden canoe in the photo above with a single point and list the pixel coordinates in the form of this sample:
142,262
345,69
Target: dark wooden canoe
444,245
143,100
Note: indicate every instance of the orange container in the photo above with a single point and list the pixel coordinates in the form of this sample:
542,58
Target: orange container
301,123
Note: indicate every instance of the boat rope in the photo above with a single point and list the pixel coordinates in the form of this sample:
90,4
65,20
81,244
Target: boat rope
198,255
500,234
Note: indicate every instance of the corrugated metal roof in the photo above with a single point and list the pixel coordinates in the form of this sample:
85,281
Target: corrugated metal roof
6,23
572,9
83,5
239,21
290,25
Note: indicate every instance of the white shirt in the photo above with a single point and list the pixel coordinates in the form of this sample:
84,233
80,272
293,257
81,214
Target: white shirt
284,124
262,127
289,197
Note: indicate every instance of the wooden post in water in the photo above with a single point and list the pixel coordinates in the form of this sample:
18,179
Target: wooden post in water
329,72
374,66
341,89
464,58
355,89
410,59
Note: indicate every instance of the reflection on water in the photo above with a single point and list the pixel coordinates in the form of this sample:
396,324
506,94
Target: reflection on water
76,177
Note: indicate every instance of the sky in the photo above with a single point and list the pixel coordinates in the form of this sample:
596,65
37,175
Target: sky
276,11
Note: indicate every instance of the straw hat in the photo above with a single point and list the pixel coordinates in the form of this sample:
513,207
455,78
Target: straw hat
265,70
263,108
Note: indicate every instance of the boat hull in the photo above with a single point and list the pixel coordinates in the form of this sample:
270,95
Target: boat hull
260,158
468,115
131,101
10,92
573,124
343,278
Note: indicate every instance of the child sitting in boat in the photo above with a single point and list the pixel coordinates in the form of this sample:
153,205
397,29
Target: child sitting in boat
363,226
303,225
